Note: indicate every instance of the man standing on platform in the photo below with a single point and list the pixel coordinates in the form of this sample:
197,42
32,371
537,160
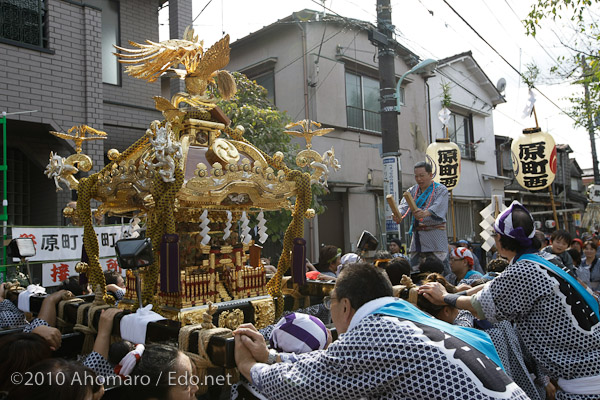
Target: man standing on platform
428,226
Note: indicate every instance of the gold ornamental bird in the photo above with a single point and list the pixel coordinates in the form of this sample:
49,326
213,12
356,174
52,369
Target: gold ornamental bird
150,60
306,131
79,137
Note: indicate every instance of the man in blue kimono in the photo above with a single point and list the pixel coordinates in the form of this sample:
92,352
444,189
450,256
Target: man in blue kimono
428,222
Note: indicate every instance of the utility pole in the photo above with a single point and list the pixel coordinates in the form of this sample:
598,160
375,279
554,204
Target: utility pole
392,175
590,122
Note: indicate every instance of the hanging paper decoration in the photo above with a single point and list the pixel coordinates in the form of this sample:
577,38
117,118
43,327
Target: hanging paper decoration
204,229
227,230
262,229
530,104
444,157
534,159
246,237
444,116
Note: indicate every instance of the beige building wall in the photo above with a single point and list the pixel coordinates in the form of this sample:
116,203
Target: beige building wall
357,189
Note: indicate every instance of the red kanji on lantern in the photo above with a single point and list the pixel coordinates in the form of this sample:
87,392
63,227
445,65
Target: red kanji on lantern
61,272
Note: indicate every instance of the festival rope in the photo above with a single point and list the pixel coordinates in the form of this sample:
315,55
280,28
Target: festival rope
161,221
89,330
87,190
205,330
62,324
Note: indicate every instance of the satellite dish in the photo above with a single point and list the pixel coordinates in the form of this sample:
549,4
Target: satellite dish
501,85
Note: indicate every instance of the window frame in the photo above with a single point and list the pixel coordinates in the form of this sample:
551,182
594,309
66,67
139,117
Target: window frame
363,110
119,74
270,73
43,36
467,150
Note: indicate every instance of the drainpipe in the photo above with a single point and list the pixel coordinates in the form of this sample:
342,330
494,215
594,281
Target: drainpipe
304,69
429,110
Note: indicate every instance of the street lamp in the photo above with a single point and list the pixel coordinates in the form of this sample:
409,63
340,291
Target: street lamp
425,65
392,174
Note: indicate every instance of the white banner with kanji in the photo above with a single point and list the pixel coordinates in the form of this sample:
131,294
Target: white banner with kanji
54,273
65,243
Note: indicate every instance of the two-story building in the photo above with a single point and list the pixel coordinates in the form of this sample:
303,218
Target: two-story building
324,68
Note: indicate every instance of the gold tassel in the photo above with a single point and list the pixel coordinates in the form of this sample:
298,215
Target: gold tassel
226,84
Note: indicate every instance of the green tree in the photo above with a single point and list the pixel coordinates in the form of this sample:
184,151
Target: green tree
556,9
582,66
264,127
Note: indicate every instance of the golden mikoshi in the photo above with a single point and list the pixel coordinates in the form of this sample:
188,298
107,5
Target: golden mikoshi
157,176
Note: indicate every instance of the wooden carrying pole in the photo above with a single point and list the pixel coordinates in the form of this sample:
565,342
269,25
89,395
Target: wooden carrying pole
553,206
453,217
452,201
549,187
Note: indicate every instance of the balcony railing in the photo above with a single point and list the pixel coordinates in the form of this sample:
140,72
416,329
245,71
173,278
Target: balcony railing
363,119
23,21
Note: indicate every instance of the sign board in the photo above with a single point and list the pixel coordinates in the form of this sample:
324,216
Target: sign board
54,273
577,219
390,186
65,243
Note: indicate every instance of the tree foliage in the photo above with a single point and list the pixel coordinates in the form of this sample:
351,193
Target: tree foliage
553,9
581,66
264,127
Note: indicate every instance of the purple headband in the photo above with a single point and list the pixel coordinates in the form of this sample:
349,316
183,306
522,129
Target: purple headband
504,225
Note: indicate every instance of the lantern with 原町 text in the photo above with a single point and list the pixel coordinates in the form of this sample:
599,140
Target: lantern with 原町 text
534,159
444,157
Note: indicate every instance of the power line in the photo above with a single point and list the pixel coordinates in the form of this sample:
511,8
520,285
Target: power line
201,11
544,48
505,60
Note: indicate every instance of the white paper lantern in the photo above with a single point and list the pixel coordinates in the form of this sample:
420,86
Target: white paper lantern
444,157
534,159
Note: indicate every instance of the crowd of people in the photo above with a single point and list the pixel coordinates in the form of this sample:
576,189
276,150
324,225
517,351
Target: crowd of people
436,323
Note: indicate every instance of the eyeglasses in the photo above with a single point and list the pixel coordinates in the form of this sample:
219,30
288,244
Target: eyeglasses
327,302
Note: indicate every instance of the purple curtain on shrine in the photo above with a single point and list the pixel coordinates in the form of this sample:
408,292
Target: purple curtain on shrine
299,261
83,279
169,263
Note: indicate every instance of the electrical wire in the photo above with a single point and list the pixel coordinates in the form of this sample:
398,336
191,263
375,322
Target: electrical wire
506,61
201,11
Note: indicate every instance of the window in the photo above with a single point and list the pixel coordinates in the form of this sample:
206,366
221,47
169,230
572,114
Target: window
267,80
574,185
110,36
18,187
24,21
362,102
460,129
401,95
